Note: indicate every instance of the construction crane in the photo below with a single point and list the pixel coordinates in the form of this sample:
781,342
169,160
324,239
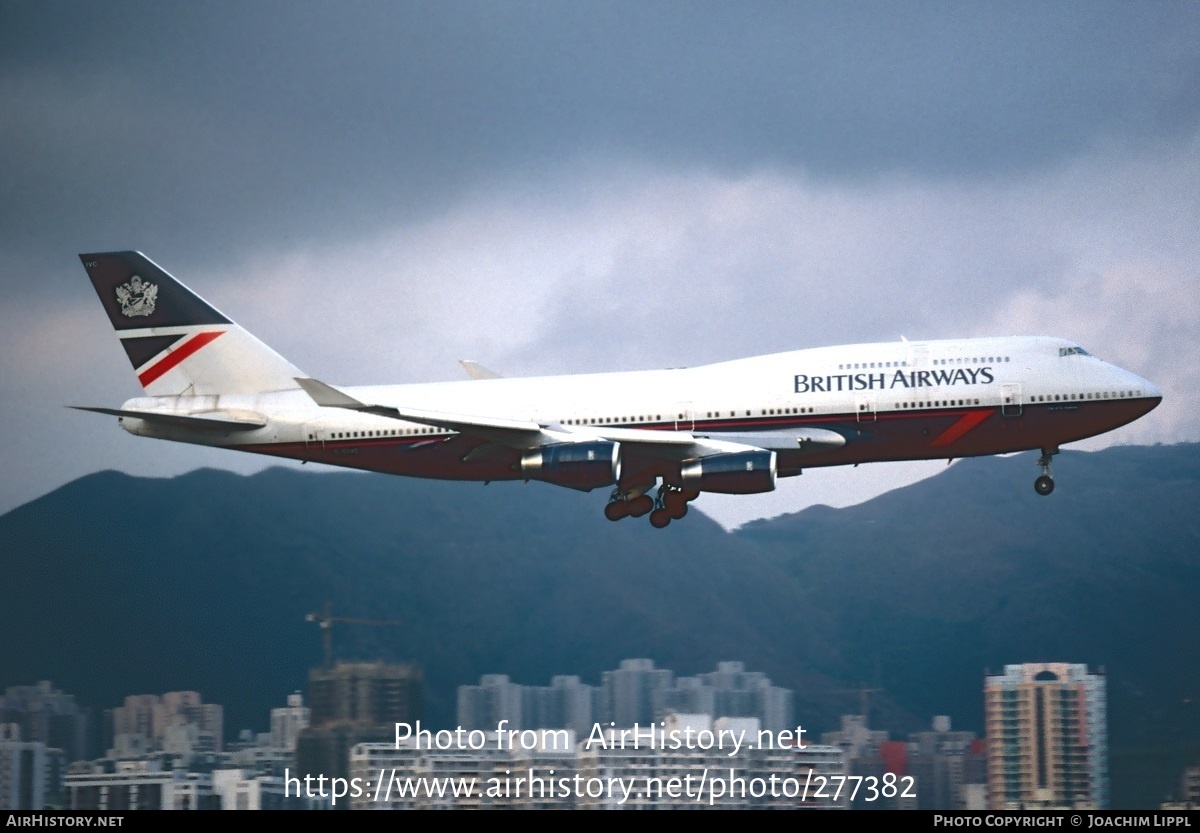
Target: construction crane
864,694
326,620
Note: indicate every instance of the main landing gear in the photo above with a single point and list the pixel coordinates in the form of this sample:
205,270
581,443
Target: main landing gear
623,505
670,504
1044,485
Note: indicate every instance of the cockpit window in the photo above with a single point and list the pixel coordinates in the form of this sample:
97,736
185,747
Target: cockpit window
1072,351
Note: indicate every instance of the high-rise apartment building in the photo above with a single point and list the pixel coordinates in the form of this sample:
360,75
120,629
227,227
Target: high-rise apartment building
944,763
287,722
732,691
1189,787
366,694
1047,728
351,703
635,692
496,698
157,720
47,715
565,704
30,772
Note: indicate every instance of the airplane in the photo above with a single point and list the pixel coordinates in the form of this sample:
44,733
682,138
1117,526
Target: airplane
733,427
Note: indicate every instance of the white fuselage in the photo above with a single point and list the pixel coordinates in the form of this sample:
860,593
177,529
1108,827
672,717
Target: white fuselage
891,401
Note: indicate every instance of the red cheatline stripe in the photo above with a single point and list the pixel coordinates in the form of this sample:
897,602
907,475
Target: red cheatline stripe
167,362
962,426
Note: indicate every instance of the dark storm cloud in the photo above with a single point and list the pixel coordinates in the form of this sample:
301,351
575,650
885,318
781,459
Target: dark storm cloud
251,124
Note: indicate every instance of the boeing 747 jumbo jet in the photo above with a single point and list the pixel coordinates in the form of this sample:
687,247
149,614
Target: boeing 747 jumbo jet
733,427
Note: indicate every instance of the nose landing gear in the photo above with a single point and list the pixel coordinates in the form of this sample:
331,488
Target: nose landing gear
1044,485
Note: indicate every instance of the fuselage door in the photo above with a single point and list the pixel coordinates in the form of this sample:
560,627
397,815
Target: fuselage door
314,434
1010,399
918,355
685,417
865,408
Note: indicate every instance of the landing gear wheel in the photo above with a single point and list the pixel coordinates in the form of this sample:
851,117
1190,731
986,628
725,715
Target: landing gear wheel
640,506
1044,485
675,504
616,510
659,518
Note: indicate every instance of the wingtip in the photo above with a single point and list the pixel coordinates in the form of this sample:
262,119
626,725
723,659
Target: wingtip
325,395
477,371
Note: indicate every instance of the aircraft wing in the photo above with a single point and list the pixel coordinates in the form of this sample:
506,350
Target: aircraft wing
513,433
526,434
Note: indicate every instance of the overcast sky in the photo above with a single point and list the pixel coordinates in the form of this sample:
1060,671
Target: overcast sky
380,189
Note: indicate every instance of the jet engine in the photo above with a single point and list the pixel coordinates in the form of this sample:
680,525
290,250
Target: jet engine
582,466
735,473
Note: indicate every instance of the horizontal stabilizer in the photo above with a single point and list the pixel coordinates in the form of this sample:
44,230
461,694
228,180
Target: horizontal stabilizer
207,420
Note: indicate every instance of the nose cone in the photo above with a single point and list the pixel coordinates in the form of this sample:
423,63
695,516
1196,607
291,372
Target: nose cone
1135,396
1134,385
1148,390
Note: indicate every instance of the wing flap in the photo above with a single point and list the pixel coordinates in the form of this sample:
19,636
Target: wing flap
794,439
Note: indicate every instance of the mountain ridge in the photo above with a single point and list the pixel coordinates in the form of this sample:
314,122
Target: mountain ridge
124,585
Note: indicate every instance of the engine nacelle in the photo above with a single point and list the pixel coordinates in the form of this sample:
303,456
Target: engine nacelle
737,473
582,466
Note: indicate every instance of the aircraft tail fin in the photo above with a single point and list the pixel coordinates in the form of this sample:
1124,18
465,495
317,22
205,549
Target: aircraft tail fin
176,341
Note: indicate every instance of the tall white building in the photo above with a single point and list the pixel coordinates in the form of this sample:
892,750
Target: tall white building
30,772
287,722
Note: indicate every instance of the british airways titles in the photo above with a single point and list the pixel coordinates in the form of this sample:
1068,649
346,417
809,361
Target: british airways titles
803,383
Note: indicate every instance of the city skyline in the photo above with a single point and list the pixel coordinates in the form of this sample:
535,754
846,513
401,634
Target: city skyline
1055,709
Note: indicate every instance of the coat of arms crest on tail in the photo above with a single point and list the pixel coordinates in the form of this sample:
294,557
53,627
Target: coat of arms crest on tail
137,297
